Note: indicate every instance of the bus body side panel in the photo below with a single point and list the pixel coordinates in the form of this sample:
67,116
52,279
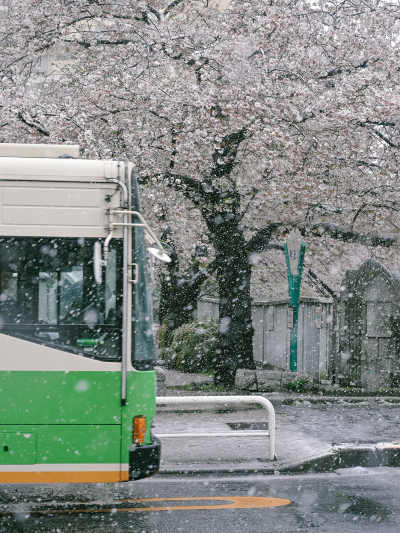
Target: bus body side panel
141,401
59,453
60,415
66,426
39,397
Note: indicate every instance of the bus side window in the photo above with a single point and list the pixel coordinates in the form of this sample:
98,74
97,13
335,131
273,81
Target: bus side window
47,313
143,354
48,295
9,295
71,293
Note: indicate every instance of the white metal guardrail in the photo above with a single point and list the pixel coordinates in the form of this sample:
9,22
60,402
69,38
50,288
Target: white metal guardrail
233,400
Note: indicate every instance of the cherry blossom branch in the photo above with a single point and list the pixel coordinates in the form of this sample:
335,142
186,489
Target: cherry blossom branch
261,240
225,159
31,125
348,235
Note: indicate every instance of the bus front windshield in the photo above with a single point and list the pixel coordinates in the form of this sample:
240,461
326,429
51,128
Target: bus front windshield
48,295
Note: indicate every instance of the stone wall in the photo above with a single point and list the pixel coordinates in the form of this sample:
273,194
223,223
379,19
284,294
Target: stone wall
265,380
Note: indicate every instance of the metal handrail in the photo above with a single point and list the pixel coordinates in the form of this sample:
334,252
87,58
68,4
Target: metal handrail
249,433
234,400
125,284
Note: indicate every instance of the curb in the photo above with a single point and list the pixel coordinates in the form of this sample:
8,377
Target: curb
348,457
278,398
370,456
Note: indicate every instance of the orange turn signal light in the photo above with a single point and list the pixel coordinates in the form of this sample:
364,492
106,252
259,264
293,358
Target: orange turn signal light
139,429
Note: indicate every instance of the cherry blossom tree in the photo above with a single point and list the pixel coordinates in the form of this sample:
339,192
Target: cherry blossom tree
262,115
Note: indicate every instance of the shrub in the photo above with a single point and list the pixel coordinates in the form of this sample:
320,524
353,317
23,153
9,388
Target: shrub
192,347
301,385
160,338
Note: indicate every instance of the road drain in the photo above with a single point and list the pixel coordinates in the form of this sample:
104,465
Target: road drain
255,426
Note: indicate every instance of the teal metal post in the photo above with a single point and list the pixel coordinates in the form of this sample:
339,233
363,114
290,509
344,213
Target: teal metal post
294,299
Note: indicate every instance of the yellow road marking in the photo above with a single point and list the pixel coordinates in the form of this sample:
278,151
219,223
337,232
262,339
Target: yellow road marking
237,502
233,502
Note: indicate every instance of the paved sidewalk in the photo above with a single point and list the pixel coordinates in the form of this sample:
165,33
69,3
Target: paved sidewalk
230,454
307,427
178,380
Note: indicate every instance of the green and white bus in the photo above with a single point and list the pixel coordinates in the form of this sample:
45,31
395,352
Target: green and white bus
77,384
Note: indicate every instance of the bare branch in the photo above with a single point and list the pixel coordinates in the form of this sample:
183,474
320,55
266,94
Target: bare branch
171,6
260,241
348,235
31,125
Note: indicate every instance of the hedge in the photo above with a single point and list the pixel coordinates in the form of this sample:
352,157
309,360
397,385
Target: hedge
192,347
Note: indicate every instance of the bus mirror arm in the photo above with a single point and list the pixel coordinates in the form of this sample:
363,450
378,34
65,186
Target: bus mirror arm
98,262
158,250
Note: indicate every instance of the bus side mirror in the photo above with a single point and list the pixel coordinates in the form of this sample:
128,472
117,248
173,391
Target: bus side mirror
159,254
97,263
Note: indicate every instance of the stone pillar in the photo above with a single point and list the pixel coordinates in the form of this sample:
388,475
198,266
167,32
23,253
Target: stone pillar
161,383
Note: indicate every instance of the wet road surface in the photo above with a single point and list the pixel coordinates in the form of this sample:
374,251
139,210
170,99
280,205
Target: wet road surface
352,500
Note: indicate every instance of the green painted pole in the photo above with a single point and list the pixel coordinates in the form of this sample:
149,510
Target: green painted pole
294,281
293,340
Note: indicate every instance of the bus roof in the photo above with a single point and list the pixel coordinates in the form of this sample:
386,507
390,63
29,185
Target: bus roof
61,170
38,150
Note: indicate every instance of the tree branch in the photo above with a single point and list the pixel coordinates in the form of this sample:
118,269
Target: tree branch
200,277
31,125
275,246
205,190
171,6
224,161
155,12
319,281
339,70
376,123
87,44
348,235
388,141
260,241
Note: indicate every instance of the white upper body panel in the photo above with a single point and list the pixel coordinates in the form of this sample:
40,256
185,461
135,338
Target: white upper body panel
38,150
42,197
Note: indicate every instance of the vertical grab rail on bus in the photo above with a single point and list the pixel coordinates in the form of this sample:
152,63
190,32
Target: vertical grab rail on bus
124,288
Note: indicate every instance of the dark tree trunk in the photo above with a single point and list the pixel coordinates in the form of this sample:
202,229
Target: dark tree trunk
173,309
235,322
221,211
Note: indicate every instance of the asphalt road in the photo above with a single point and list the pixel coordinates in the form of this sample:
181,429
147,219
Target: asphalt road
353,500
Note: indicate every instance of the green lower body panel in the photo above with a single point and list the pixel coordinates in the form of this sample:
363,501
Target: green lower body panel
70,426
60,453
60,444
17,448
